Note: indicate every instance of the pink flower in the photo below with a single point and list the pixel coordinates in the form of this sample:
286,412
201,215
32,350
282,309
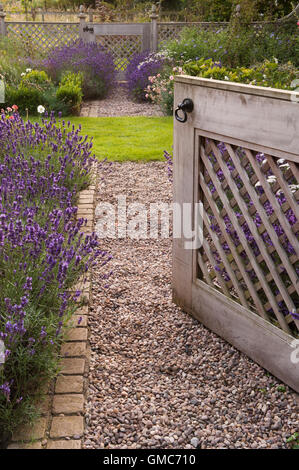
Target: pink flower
15,107
9,109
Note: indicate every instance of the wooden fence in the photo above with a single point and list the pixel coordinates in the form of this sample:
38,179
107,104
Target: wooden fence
238,154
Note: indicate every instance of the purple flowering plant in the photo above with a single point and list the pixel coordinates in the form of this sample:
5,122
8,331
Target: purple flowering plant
95,62
140,67
43,253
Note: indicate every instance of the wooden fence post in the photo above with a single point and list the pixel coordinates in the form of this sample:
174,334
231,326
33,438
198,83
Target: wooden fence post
154,29
90,15
82,18
2,22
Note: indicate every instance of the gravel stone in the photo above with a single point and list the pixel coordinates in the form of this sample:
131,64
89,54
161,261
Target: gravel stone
194,442
117,103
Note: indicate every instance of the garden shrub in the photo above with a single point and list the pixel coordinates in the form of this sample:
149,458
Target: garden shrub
35,78
268,74
70,93
160,88
243,48
140,67
28,98
91,59
42,254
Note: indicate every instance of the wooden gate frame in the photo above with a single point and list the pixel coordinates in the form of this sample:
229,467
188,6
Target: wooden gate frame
265,120
120,29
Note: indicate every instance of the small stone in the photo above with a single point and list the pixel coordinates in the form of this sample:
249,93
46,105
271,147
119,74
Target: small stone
194,442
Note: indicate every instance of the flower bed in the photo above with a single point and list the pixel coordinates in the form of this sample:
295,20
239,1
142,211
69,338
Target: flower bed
43,253
138,71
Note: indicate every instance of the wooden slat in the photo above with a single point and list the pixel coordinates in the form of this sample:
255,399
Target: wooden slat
227,265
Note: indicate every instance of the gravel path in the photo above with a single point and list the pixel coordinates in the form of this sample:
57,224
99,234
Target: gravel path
117,103
158,378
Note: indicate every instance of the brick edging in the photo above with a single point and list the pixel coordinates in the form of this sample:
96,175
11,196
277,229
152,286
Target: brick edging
61,425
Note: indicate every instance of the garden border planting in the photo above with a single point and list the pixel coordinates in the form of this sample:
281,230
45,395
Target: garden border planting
61,425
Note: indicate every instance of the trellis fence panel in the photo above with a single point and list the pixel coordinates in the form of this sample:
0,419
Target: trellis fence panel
238,155
43,36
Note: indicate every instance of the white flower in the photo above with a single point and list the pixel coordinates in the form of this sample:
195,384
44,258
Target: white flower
285,165
28,70
257,184
40,109
281,160
294,187
226,77
271,179
275,60
23,74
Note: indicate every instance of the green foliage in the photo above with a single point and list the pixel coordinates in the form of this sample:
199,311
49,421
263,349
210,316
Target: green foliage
35,88
12,60
26,98
269,74
294,440
35,79
245,47
70,92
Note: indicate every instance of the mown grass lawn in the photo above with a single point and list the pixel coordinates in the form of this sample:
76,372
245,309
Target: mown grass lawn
128,138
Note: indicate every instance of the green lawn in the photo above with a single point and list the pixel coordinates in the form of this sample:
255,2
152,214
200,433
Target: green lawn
128,138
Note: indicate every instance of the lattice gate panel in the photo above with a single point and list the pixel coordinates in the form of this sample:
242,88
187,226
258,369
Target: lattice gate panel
44,36
122,47
251,230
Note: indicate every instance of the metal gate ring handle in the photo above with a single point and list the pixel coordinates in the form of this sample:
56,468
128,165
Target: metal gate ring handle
186,106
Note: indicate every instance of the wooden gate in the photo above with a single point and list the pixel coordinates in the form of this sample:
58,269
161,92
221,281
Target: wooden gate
238,154
122,40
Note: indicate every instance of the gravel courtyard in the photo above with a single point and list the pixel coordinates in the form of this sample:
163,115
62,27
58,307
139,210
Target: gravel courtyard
158,378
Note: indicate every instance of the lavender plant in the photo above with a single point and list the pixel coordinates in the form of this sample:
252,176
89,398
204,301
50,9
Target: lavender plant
91,59
43,253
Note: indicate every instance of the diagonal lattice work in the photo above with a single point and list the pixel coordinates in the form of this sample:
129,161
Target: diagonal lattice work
122,47
251,230
44,36
167,31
